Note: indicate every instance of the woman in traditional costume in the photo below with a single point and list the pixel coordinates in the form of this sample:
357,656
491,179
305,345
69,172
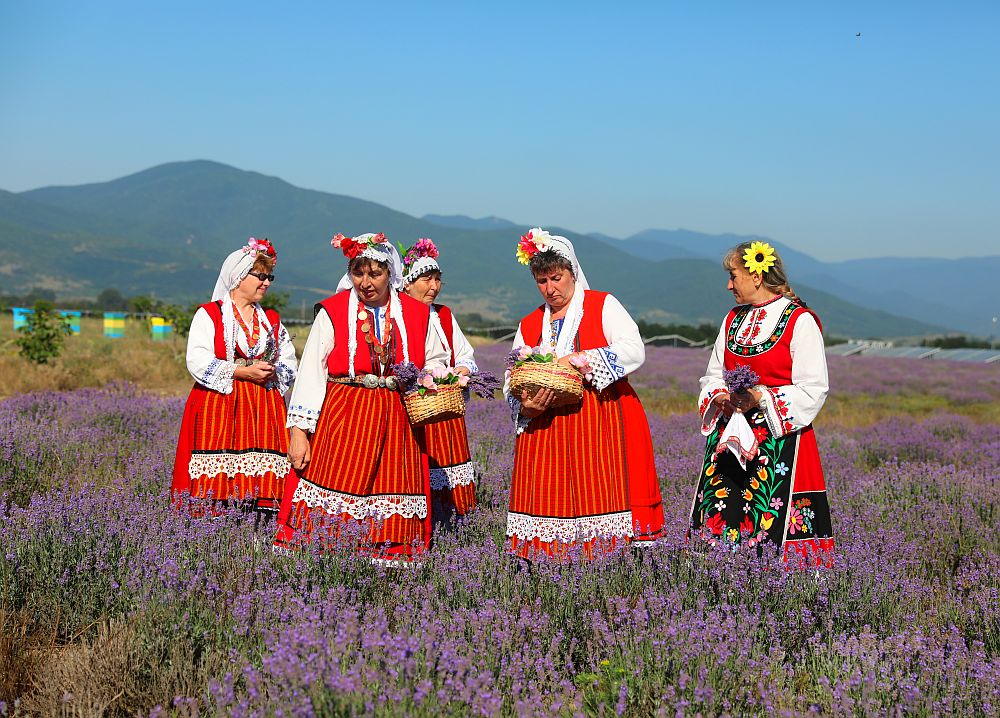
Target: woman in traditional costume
762,481
583,475
364,465
233,443
453,476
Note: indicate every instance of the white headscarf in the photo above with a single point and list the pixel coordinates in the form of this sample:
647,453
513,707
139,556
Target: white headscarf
421,266
383,253
574,314
234,270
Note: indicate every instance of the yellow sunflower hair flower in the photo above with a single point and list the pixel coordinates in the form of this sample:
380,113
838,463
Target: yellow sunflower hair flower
759,258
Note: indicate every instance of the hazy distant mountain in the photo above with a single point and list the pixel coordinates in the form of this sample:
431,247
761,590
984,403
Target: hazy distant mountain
166,231
958,293
460,221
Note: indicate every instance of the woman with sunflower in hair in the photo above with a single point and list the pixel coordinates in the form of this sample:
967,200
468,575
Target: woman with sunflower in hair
761,480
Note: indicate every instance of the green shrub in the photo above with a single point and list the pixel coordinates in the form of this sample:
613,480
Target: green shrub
44,335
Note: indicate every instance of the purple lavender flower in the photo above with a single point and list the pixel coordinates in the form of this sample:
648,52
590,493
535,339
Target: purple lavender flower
407,375
740,379
484,384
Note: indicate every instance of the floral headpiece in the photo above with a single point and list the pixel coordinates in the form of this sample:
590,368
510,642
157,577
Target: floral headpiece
353,246
535,241
759,257
419,259
261,246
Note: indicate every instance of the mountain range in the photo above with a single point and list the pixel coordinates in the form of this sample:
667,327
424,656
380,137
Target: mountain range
164,231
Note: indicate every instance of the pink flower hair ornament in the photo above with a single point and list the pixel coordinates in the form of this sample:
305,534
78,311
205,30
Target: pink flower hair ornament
261,246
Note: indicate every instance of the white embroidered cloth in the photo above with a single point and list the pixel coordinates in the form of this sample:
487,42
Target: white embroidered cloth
739,439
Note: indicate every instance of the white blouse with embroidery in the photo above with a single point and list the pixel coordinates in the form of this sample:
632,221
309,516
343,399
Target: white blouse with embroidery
309,391
787,408
623,354
464,354
217,374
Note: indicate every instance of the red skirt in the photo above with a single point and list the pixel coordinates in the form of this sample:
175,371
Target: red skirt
367,481
452,474
233,446
585,475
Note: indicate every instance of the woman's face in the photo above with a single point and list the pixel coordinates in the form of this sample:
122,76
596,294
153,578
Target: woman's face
743,285
371,281
426,287
556,287
252,288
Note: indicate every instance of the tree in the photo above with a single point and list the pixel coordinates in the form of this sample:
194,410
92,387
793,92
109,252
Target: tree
143,304
276,301
111,300
44,334
180,317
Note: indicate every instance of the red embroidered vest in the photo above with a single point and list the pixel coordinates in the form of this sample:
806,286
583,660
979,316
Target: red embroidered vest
415,315
444,314
214,310
771,360
591,332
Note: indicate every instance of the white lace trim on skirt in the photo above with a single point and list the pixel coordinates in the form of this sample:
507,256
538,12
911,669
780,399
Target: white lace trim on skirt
248,463
453,476
584,528
361,507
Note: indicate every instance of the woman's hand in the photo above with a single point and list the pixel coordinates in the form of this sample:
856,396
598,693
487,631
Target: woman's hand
745,401
463,370
567,361
299,451
723,404
535,405
259,373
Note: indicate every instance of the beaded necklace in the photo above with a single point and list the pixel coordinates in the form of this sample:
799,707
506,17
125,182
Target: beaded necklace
380,348
253,336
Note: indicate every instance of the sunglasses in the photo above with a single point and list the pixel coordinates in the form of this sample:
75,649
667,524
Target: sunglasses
261,276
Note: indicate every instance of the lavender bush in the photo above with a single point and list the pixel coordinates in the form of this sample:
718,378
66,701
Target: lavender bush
143,610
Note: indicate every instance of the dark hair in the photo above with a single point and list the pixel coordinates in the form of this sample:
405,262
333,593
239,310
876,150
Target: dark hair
545,262
774,278
361,262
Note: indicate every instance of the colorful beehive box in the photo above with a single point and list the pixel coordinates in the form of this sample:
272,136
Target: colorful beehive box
72,317
114,325
21,317
161,328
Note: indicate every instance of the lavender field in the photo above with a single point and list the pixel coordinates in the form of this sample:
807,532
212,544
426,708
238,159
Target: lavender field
112,604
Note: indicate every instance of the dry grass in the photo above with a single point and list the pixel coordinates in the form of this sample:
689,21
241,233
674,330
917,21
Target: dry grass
90,360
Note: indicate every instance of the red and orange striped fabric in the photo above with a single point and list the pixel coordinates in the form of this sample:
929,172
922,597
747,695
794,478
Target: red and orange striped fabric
448,447
233,446
367,467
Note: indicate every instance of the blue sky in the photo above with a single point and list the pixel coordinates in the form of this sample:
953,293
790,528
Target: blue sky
770,118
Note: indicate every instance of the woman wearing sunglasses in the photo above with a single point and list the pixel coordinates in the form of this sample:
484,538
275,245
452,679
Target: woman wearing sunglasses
233,445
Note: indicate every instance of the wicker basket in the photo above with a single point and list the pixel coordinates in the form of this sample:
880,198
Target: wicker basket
446,403
532,376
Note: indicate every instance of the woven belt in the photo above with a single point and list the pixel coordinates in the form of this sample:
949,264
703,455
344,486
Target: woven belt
368,381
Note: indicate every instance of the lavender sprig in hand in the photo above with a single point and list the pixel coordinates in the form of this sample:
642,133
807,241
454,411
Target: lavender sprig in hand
407,376
740,379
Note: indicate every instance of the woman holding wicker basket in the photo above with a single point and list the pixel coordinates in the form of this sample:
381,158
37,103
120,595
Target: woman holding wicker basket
364,464
453,476
584,478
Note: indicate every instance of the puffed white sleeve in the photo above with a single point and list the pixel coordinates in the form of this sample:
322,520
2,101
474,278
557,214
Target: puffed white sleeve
435,355
287,366
625,351
309,391
795,406
520,422
712,384
207,369
464,354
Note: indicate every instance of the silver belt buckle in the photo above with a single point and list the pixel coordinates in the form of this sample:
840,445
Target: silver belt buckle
370,381
390,382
